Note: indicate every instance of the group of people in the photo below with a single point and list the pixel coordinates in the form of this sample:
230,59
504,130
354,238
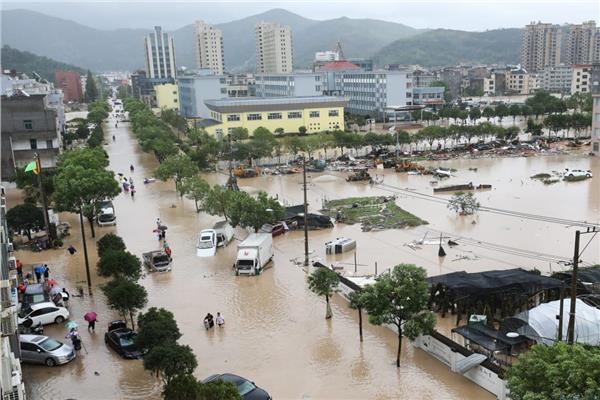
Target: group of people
209,321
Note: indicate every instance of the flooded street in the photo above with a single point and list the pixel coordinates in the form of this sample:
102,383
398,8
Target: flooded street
275,332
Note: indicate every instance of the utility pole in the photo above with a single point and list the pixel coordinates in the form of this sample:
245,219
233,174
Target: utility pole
576,255
305,212
85,253
560,312
44,201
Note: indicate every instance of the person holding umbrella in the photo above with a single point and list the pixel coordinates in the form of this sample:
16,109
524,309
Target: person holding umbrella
39,271
91,317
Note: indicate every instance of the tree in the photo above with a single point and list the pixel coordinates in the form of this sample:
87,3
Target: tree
257,212
109,242
119,264
239,134
25,217
126,297
182,387
219,390
91,92
488,112
464,203
85,157
279,131
176,167
217,201
501,111
323,282
474,114
400,299
514,110
195,188
556,372
169,360
302,130
80,190
356,304
155,327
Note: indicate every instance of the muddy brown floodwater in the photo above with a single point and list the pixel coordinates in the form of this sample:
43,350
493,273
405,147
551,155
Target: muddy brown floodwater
275,332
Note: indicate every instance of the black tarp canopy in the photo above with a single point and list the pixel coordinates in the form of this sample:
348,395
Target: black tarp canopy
515,280
586,274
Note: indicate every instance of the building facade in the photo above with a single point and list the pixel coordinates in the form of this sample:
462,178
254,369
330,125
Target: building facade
423,78
195,89
167,97
430,96
70,83
160,54
288,85
11,381
29,126
581,43
273,48
316,114
581,78
540,46
521,82
209,48
556,79
453,78
595,89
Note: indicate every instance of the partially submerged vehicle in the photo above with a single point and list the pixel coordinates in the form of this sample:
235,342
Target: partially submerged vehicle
340,245
462,187
224,233
254,253
122,340
106,213
360,175
157,260
207,243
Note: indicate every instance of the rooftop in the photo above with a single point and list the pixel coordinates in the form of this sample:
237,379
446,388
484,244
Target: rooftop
338,65
271,103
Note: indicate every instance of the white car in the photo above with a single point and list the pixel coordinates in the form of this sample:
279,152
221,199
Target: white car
571,173
44,313
207,243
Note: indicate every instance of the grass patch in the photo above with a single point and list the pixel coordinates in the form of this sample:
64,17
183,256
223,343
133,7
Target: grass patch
541,176
374,213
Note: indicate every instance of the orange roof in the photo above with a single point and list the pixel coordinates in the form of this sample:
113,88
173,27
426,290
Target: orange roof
338,65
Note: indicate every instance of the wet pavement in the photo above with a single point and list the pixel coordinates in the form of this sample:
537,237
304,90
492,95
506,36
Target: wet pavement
275,332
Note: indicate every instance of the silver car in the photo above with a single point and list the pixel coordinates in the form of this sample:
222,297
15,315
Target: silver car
40,349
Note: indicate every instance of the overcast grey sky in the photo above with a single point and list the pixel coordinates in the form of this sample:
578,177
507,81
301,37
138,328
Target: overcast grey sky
465,15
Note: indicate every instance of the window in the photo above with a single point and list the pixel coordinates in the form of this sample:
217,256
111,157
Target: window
274,116
233,117
254,117
314,114
334,113
48,144
223,90
33,144
28,124
28,346
294,114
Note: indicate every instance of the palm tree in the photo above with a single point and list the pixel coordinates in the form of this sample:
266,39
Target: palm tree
323,282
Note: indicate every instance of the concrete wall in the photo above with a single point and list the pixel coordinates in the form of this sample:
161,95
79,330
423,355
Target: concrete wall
194,90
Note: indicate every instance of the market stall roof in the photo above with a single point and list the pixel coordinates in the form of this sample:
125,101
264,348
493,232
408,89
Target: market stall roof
587,275
541,323
516,280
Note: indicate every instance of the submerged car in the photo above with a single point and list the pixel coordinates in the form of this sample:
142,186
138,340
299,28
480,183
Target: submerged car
39,349
43,313
571,173
207,243
122,340
247,389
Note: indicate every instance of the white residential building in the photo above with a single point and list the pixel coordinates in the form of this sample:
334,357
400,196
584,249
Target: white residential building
209,48
595,89
327,56
581,43
273,48
556,79
160,54
540,46
194,89
288,85
581,78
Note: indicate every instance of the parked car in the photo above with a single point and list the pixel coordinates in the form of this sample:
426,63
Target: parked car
207,243
571,173
34,294
122,340
247,389
44,313
39,349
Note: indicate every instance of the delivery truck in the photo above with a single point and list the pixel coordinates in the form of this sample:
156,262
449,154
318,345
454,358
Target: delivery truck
254,253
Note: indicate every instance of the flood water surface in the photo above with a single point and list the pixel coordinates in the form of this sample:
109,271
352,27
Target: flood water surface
275,332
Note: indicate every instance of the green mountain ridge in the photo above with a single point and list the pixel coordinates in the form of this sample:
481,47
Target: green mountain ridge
443,47
24,61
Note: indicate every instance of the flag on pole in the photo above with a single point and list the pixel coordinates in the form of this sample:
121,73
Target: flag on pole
34,166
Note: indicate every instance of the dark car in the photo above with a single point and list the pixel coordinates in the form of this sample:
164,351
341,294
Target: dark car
122,340
247,389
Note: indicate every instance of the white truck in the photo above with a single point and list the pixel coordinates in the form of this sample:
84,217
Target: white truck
254,253
224,233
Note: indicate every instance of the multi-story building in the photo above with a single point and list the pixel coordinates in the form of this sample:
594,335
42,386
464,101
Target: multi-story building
316,114
581,78
240,85
70,83
273,48
422,78
288,85
195,89
540,46
326,56
556,79
209,48
595,89
142,87
366,64
160,54
581,43
430,96
11,383
521,82
453,78
167,97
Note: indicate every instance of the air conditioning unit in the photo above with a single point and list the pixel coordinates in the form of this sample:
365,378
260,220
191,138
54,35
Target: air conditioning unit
5,296
12,262
10,247
8,324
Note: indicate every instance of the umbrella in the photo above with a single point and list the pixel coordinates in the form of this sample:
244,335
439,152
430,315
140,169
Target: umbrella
90,316
39,269
71,325
51,282
55,290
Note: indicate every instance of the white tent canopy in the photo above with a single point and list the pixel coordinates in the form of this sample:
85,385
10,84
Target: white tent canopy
543,322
